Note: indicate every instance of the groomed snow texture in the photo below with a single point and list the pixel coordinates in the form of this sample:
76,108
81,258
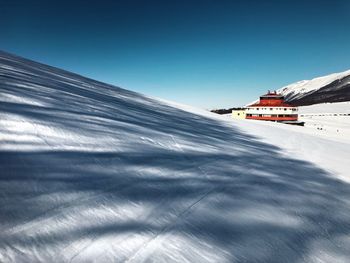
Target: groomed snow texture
94,173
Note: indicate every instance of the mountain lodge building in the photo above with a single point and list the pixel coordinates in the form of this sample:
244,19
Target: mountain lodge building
271,107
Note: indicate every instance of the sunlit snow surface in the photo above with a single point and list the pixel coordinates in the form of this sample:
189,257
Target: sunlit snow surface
298,89
94,173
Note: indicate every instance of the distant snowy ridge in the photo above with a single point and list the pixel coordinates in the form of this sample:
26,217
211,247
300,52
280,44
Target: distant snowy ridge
331,88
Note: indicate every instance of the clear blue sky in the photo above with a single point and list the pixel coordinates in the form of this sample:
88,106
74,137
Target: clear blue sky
207,53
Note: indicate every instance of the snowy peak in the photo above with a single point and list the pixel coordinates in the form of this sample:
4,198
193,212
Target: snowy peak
331,88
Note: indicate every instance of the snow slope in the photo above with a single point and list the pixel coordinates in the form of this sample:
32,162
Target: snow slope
331,88
94,173
328,119
342,108
325,147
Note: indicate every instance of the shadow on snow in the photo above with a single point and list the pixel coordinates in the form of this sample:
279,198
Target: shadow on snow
229,193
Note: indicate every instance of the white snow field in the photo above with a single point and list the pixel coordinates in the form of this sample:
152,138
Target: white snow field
94,173
326,148
341,108
328,119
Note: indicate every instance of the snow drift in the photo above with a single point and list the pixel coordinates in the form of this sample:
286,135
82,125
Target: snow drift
92,172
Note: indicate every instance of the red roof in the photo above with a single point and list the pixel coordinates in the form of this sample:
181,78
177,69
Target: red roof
277,100
258,104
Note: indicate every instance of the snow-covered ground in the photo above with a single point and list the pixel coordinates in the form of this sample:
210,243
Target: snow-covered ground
329,119
321,147
326,109
94,173
324,139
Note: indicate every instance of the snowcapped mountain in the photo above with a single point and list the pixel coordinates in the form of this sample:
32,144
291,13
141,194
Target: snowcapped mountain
94,173
331,88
